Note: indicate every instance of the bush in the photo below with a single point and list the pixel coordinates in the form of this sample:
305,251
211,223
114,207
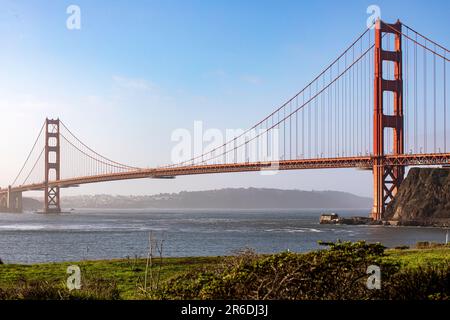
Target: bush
422,283
430,245
402,248
333,274
336,273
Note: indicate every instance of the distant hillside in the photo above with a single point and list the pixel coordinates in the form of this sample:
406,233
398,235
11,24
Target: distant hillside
251,198
31,204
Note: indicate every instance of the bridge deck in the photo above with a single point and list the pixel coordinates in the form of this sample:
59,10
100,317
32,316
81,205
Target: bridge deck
364,162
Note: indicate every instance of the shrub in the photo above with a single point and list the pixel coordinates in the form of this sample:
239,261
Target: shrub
430,245
336,273
422,283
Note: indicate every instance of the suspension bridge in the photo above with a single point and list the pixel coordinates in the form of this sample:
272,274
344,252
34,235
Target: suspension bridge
381,105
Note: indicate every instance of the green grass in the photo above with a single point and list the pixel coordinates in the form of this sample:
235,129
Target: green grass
128,274
413,258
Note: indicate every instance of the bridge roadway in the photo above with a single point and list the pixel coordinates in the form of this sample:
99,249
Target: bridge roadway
362,162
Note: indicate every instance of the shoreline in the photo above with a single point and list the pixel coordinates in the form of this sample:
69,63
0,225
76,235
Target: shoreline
335,219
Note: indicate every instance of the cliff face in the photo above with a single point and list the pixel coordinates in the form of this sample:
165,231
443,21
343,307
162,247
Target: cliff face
423,198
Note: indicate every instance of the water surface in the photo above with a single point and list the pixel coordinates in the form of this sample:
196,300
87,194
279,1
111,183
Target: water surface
103,234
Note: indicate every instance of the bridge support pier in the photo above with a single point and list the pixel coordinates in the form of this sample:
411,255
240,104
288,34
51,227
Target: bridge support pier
4,201
387,179
52,166
11,201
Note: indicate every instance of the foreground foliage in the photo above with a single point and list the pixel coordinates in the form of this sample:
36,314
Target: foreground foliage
93,289
102,279
336,273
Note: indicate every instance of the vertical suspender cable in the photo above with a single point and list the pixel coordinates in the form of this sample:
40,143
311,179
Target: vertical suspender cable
434,101
425,99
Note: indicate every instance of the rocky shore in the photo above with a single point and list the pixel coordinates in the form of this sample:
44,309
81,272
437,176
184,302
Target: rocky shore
423,199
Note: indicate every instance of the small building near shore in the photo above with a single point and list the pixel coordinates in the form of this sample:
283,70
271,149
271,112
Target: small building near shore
329,218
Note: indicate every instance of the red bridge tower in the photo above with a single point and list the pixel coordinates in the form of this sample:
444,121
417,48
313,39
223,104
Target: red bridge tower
52,165
387,179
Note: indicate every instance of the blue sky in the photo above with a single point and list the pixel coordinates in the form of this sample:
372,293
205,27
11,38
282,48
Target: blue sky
137,70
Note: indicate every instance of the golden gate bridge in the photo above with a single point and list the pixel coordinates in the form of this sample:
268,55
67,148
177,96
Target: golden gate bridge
381,105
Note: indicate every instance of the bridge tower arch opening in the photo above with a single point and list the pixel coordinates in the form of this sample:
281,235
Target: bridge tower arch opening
52,166
387,179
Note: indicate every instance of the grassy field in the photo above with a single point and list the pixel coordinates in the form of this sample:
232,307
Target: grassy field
128,274
414,258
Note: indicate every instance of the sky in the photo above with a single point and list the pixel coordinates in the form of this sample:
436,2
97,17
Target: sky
138,70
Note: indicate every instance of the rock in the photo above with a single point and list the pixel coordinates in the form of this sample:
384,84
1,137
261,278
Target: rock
356,220
333,218
423,199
